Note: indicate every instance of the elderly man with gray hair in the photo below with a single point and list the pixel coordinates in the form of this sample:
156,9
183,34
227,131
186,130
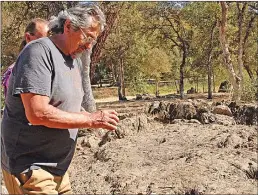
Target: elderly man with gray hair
43,106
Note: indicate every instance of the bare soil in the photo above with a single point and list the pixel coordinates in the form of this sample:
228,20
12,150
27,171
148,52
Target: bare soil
182,158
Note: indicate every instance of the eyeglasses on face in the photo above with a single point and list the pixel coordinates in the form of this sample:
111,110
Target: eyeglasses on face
87,39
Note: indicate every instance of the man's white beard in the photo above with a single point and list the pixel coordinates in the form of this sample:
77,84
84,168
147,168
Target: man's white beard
76,55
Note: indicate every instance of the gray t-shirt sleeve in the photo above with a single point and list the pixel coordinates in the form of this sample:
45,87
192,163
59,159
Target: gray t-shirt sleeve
33,71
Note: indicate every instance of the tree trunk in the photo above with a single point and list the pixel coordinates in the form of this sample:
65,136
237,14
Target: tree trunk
248,30
88,100
182,66
197,90
209,62
240,44
213,79
123,78
234,78
209,79
100,82
121,84
157,88
176,86
248,70
114,74
119,88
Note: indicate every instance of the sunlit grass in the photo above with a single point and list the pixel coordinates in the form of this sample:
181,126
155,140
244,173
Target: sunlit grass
106,92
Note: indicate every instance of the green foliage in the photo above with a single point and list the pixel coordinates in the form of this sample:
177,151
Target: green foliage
101,71
249,92
144,88
202,16
15,17
147,37
138,86
156,63
128,44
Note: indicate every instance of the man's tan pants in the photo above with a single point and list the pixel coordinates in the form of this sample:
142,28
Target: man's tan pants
38,182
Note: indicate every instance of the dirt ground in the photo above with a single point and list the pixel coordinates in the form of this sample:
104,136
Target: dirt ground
182,158
177,158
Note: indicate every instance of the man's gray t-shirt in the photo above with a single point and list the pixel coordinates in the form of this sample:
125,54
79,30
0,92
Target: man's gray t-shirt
43,69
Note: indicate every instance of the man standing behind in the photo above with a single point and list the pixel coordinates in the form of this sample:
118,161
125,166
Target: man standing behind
36,29
42,113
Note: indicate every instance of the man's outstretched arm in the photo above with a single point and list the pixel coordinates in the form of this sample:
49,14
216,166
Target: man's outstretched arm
39,112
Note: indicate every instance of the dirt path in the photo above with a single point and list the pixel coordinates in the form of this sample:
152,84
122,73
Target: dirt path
112,99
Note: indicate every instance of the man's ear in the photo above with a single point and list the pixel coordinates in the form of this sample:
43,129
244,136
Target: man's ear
67,26
27,37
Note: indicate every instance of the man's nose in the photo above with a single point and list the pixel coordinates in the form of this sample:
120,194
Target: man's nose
88,45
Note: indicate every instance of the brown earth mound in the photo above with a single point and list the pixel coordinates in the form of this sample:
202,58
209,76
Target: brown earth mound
179,156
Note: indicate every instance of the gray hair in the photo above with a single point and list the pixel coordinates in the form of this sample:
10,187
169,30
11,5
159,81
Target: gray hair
80,16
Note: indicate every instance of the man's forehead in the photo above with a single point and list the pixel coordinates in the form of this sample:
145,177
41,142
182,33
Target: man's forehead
95,26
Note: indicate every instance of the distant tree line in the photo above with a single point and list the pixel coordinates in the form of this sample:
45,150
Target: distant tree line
150,40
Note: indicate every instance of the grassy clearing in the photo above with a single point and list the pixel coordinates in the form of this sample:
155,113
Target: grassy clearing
106,92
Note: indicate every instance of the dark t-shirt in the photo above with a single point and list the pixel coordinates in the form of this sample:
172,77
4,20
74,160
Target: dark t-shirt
41,68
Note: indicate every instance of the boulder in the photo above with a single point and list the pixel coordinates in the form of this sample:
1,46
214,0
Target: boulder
154,107
222,109
178,121
249,115
138,97
201,107
244,114
144,96
191,91
147,96
207,118
224,87
206,112
182,110
185,121
194,121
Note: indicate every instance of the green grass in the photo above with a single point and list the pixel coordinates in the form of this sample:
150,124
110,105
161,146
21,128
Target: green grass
105,92
171,89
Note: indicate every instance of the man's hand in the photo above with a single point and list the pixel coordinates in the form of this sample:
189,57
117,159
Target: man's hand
39,112
106,119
